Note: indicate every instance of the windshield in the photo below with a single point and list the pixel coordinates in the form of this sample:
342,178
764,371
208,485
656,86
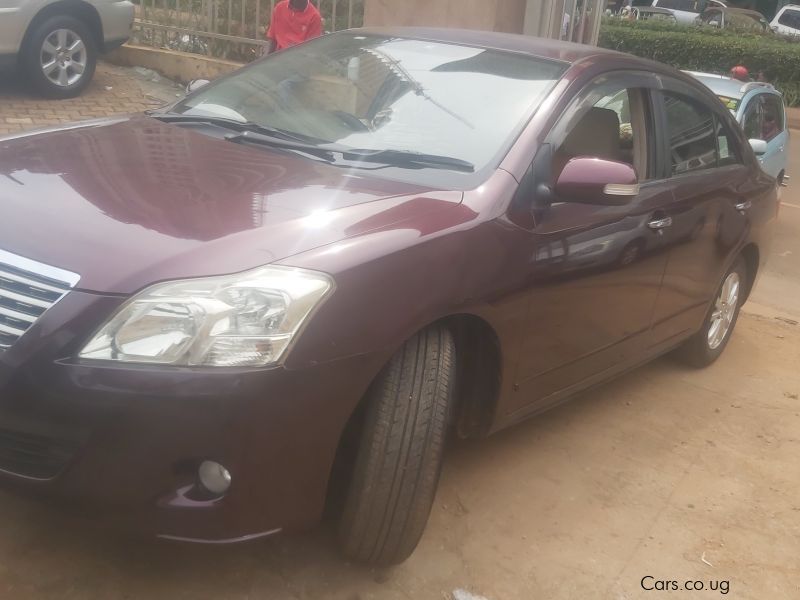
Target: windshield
378,93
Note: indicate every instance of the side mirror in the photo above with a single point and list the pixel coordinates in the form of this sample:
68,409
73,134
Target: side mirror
196,84
759,146
589,180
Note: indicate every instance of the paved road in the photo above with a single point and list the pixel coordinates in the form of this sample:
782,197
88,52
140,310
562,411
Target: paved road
113,90
667,472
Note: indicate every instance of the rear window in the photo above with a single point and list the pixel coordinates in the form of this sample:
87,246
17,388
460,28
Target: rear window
790,18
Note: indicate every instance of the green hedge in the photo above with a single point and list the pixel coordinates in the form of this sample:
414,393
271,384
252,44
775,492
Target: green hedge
709,50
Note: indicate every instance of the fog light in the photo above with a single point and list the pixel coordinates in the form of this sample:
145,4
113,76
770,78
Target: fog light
214,477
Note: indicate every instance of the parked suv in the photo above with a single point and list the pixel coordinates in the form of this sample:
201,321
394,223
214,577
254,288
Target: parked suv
55,44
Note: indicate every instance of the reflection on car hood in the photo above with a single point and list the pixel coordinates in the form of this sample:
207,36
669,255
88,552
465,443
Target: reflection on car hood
128,202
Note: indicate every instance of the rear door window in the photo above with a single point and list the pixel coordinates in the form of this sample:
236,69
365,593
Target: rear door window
692,134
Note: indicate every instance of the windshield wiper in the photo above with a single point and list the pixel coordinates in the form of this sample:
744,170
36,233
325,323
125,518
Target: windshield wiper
233,124
381,158
407,158
256,137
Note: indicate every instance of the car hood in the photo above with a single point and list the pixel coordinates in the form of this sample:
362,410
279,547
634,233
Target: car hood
128,202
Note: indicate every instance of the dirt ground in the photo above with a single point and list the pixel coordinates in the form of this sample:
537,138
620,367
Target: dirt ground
666,474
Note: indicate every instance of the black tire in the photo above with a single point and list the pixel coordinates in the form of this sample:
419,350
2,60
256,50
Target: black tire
32,57
400,453
697,351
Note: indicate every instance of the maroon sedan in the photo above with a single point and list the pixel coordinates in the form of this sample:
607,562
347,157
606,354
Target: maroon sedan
284,292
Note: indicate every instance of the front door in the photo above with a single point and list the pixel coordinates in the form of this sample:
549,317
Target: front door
764,119
594,271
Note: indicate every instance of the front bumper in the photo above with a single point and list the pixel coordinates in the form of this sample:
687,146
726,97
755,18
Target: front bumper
124,441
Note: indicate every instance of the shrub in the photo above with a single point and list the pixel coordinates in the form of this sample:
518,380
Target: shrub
710,50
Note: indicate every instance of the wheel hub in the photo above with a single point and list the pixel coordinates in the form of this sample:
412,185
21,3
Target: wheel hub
724,311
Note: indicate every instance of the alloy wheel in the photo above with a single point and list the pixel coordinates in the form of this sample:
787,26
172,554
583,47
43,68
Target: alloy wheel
63,57
724,311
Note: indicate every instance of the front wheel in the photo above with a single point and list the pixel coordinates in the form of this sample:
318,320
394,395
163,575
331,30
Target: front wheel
59,57
401,450
707,345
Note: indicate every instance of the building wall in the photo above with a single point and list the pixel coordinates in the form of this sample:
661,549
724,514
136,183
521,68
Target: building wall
493,15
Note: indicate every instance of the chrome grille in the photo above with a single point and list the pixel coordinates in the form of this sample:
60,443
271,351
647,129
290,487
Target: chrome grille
27,289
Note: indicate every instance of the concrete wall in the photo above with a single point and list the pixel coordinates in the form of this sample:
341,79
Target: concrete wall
179,66
492,15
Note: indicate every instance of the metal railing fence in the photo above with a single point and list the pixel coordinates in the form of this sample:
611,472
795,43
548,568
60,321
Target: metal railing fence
230,29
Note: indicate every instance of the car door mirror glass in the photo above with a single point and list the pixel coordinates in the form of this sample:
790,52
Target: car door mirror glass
591,180
759,146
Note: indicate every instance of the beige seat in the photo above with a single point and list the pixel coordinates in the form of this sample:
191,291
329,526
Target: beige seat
596,134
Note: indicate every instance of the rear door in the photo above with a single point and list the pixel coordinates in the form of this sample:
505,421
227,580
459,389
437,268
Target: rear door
706,220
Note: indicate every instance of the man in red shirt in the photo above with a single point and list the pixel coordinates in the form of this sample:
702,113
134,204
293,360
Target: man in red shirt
293,22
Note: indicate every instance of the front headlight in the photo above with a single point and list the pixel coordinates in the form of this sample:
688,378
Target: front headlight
247,319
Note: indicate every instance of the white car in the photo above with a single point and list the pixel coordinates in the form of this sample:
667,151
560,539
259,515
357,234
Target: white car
55,43
686,11
787,20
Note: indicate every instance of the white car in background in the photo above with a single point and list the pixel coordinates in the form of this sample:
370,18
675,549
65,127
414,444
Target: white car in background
787,20
686,11
55,43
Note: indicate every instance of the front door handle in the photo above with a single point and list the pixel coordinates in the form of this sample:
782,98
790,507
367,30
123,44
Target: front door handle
660,223
743,206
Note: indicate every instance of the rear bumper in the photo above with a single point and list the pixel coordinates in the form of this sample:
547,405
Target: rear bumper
125,441
117,21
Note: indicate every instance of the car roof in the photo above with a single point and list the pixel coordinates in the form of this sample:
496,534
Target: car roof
722,85
510,42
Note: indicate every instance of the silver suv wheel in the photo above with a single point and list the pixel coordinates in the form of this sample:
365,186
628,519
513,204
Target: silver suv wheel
63,57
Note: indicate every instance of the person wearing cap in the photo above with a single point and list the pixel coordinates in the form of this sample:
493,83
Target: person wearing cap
293,22
740,72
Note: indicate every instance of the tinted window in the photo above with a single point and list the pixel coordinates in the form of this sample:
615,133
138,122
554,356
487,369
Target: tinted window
772,116
790,18
763,118
384,92
692,137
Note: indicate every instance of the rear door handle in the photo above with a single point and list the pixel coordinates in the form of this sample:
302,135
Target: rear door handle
743,206
660,223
